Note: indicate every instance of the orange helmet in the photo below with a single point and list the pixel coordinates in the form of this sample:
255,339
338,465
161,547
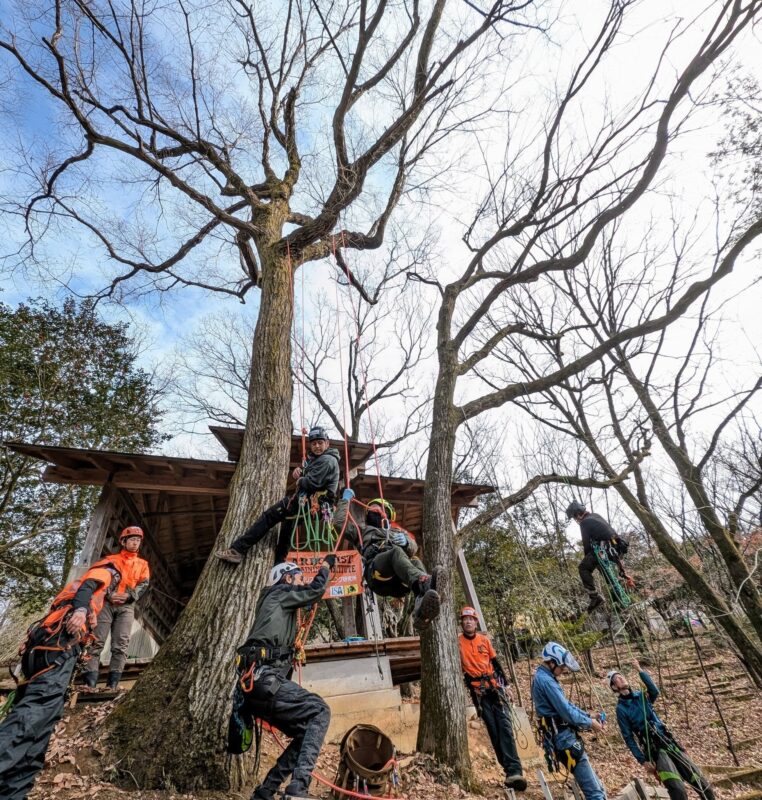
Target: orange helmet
133,530
469,611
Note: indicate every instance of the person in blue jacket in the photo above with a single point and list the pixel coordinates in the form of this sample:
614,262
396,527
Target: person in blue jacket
560,720
649,739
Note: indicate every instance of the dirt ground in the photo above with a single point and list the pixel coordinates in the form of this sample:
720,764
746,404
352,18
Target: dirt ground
79,764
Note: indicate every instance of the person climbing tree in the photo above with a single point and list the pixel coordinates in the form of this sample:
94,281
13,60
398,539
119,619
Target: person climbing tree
560,721
390,566
317,481
649,739
118,612
264,689
595,532
486,682
48,657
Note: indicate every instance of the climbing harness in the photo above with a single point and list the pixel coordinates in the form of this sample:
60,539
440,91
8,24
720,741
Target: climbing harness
607,557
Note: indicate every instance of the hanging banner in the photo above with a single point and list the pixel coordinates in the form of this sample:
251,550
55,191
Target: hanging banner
346,580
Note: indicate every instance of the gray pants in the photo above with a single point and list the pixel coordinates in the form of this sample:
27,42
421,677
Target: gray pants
392,572
25,732
301,715
116,620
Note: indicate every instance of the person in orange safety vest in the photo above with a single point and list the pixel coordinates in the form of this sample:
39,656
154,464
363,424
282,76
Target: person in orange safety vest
118,613
48,657
486,683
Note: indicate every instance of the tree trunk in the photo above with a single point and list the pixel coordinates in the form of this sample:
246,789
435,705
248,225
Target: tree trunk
442,731
171,729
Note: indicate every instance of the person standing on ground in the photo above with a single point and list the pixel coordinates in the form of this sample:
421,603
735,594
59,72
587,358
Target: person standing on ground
318,479
48,657
486,681
561,721
264,690
118,612
649,739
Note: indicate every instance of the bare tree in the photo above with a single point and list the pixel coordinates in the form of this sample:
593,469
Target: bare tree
666,387
535,224
230,128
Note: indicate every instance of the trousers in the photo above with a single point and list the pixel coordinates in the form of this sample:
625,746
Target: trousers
676,769
26,731
586,567
116,620
392,572
301,715
284,512
498,724
583,771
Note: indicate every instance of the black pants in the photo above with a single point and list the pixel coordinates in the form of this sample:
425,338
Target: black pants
500,730
301,715
392,572
26,731
586,567
285,512
676,769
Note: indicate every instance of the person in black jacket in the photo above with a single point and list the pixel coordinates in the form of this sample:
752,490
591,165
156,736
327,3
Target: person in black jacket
594,529
264,689
319,477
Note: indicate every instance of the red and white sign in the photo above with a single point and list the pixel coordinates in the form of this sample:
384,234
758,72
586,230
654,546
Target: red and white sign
346,578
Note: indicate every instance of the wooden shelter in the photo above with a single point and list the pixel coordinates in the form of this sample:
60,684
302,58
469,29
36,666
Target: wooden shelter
181,502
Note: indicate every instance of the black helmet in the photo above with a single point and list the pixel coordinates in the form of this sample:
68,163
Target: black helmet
575,507
317,432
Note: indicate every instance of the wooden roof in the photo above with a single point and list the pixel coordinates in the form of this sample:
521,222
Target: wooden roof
184,500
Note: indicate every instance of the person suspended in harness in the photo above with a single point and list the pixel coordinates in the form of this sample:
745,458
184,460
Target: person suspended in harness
560,721
118,612
389,557
264,691
48,657
318,480
649,739
486,682
596,532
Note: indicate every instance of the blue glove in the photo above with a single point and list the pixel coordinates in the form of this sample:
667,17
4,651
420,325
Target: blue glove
399,538
347,494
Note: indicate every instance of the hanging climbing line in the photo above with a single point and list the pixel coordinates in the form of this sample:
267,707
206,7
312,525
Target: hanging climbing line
341,374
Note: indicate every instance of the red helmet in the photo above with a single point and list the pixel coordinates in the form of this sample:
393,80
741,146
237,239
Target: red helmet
133,530
469,611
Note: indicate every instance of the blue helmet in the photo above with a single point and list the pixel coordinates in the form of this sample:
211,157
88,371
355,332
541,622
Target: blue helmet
553,651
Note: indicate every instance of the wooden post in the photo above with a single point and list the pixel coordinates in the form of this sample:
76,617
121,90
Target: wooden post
96,533
468,585
348,616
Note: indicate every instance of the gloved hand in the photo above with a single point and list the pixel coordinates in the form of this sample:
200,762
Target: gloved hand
330,559
399,538
347,494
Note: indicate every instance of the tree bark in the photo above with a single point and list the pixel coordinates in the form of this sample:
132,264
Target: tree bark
442,731
171,728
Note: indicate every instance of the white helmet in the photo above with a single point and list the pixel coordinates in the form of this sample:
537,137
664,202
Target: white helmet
279,570
558,653
610,675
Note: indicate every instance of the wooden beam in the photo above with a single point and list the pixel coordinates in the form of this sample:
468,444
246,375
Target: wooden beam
96,533
468,584
140,481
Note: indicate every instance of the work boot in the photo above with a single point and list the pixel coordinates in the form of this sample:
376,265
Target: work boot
112,682
426,583
595,601
230,555
426,608
302,796
516,782
91,681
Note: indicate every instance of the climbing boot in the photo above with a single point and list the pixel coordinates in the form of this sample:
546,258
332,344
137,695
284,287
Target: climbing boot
426,608
595,601
91,681
230,555
112,682
516,782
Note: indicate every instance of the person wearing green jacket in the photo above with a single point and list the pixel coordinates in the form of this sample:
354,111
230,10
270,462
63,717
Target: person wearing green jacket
264,689
389,558
318,478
